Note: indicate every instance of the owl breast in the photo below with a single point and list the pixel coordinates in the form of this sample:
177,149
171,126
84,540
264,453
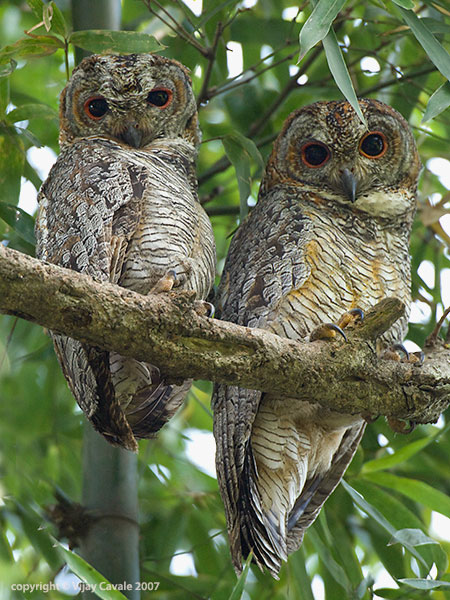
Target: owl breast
174,231
347,264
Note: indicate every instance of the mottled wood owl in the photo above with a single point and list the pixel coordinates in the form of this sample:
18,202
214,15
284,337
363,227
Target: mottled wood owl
330,233
121,205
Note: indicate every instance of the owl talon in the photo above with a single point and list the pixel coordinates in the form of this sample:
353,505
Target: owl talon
166,283
401,426
354,315
205,309
326,331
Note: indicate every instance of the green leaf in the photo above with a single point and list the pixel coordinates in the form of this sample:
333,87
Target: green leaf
405,3
425,584
334,568
39,45
318,24
436,53
4,96
57,20
97,583
411,536
340,72
31,111
37,6
241,151
438,102
7,68
12,158
119,42
238,589
379,518
400,456
19,220
418,491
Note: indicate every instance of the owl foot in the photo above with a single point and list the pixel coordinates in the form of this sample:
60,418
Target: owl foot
205,309
401,426
168,281
327,331
415,358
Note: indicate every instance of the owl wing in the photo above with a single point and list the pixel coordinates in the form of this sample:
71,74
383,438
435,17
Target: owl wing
89,210
257,276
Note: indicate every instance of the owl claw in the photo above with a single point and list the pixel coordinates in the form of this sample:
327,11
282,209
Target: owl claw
326,331
205,309
166,283
401,426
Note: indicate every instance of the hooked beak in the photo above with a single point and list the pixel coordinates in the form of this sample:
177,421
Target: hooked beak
132,136
349,183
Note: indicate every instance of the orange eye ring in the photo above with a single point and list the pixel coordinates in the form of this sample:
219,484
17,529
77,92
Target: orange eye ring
373,144
160,97
315,154
96,107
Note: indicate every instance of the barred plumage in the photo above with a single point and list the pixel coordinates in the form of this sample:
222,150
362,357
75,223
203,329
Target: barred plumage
308,252
121,205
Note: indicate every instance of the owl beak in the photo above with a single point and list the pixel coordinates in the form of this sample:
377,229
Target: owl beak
132,136
349,183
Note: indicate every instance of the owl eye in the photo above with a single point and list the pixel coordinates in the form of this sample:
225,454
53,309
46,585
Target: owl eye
315,154
96,107
373,144
160,97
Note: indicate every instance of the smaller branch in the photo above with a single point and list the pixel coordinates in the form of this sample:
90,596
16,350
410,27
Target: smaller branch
203,96
176,28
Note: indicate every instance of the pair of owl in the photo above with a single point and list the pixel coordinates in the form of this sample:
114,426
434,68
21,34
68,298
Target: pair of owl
330,232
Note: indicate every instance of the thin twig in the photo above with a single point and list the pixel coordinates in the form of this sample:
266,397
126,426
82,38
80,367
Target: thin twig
203,96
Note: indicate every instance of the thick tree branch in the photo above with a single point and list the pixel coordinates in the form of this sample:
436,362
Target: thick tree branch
168,331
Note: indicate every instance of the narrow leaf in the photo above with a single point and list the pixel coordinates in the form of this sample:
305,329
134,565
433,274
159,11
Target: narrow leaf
418,491
425,584
438,102
411,536
238,589
340,72
436,53
37,6
119,42
58,23
19,220
12,158
400,456
241,151
405,3
39,45
31,111
98,584
318,24
379,518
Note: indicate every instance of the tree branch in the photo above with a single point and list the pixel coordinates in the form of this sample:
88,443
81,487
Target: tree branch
168,331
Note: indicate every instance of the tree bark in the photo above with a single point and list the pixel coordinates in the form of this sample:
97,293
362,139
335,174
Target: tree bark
169,331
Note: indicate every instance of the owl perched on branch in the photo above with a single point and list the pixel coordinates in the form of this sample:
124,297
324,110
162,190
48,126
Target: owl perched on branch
329,235
121,205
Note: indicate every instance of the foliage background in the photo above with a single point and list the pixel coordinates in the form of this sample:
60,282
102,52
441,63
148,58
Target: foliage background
403,480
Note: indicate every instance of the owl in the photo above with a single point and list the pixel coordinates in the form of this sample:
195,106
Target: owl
328,237
121,205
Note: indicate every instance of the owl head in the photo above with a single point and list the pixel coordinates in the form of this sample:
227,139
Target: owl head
133,99
326,150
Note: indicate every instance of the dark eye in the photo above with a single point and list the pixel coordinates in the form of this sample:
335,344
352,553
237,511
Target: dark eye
96,107
160,97
373,144
315,154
